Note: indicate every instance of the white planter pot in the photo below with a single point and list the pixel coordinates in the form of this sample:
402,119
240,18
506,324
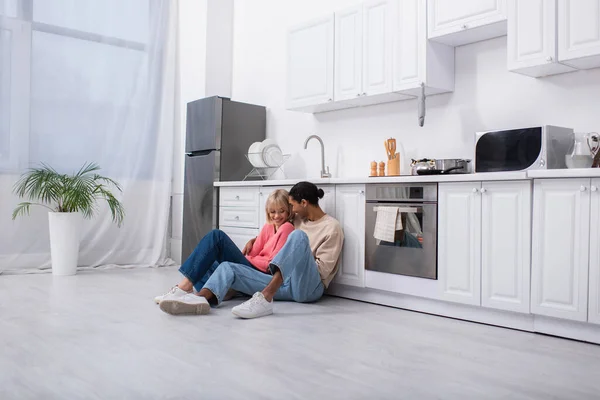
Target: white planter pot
64,242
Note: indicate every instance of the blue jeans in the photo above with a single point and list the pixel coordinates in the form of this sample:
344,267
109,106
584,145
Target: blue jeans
301,279
214,248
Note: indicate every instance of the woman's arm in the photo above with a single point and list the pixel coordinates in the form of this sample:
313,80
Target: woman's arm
259,242
248,247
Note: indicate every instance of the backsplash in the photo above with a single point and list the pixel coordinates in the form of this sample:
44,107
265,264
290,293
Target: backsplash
486,96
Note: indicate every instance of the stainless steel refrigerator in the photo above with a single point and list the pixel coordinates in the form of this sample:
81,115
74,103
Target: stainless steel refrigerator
218,134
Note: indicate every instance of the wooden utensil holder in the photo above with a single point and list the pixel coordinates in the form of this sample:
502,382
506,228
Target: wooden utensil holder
393,166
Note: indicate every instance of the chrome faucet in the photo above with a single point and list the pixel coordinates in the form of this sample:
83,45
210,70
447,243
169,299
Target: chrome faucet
324,173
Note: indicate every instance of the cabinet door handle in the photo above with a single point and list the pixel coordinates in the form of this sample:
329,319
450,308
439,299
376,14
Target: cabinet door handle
329,100
593,188
364,94
549,59
237,218
582,189
237,197
483,190
361,192
475,190
358,95
465,26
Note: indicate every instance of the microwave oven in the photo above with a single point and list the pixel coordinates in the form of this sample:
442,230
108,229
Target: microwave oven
540,147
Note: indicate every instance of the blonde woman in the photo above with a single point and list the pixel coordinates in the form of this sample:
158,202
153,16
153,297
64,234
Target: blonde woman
216,247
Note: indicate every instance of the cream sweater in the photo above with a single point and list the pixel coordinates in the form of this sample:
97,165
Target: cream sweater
326,239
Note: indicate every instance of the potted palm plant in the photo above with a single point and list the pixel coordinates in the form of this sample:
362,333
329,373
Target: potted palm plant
68,197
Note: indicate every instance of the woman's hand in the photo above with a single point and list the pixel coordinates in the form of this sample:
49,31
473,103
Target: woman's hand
248,247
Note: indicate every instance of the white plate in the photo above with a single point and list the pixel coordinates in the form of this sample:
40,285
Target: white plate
255,155
262,147
272,155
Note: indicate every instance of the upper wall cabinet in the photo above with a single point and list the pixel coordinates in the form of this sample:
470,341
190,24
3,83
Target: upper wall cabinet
310,66
348,54
579,33
364,38
532,37
458,22
417,60
372,53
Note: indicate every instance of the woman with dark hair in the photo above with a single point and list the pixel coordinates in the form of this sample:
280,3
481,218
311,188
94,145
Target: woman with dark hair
301,271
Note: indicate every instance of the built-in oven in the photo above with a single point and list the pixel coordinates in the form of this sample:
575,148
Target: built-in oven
408,216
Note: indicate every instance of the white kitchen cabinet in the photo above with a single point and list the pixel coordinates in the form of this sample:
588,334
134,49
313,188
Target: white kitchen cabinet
594,269
328,202
579,33
561,228
348,54
241,217
505,245
459,242
459,22
378,25
310,66
364,54
532,38
240,236
416,59
350,212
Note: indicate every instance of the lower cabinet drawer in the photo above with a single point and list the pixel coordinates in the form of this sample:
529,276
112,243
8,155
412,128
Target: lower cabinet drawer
243,217
240,236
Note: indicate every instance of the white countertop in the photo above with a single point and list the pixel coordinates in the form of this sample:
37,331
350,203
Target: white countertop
565,173
488,176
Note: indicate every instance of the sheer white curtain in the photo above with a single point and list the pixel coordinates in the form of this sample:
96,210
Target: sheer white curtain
89,81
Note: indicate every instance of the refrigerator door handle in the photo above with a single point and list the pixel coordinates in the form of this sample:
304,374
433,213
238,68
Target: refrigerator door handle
200,153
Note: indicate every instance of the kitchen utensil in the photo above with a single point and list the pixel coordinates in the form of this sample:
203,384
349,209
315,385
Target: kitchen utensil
581,153
437,171
594,145
423,164
387,149
393,168
593,142
391,144
465,166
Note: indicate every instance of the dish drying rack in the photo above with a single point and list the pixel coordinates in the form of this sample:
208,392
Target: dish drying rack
264,173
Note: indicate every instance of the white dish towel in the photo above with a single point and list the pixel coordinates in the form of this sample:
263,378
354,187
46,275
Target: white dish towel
387,223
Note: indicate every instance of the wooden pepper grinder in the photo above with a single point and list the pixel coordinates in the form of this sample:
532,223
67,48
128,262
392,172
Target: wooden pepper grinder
381,170
373,168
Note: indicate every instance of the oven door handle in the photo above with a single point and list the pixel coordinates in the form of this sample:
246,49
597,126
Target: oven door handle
401,209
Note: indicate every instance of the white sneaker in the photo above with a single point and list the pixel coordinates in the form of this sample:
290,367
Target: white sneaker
174,292
256,307
188,304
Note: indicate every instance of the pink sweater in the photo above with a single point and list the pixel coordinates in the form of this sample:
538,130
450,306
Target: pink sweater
267,245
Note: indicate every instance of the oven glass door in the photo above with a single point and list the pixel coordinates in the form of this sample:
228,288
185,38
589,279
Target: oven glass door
414,249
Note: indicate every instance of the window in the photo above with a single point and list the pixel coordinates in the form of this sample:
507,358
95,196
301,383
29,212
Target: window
72,79
14,92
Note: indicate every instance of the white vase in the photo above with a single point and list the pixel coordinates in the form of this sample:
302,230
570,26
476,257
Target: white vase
64,242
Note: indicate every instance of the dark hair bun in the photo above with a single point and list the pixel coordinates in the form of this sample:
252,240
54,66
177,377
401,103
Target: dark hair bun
306,191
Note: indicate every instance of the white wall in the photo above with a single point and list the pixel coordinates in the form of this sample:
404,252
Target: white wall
219,47
487,96
192,77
